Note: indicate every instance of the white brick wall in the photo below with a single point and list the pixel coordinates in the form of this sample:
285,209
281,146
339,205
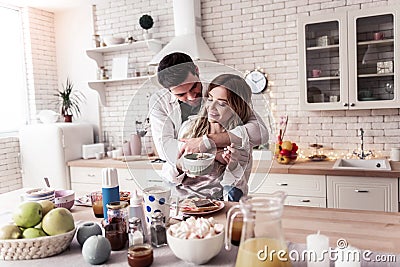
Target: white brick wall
10,174
244,35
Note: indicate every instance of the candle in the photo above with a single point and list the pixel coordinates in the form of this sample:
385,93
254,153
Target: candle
318,249
348,257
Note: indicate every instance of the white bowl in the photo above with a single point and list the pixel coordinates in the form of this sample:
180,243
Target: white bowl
197,251
64,198
113,40
48,116
197,166
38,194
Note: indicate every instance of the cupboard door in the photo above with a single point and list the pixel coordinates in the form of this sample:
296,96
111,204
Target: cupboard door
323,62
373,53
363,193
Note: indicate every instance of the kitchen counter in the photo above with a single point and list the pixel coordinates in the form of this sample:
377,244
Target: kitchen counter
375,231
259,166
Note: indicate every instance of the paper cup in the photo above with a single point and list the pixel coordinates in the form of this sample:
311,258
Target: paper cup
157,198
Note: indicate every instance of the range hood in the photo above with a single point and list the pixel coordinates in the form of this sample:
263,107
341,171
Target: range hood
188,39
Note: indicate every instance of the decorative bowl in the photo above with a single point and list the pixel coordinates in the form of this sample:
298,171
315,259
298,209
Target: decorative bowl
48,116
197,251
64,198
113,40
35,248
196,164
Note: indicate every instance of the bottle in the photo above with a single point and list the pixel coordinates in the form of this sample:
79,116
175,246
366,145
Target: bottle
136,210
135,232
158,231
110,188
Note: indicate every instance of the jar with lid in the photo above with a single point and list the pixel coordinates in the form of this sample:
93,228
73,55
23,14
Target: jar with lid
140,255
116,230
158,230
135,232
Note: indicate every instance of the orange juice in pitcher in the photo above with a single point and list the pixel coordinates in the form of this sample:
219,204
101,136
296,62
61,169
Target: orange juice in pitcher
262,243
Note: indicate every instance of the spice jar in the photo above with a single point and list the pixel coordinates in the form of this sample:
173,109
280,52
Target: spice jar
135,232
116,230
140,255
157,229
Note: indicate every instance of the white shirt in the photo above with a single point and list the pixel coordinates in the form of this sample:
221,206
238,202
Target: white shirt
165,121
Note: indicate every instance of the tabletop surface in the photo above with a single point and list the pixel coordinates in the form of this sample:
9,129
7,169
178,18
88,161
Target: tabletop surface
375,231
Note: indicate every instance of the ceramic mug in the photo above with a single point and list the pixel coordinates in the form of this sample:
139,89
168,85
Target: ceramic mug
157,198
378,35
316,73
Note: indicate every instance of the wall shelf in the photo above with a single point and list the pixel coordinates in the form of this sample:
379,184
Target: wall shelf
97,54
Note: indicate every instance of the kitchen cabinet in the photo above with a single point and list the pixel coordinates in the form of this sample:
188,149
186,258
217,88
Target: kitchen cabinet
98,53
362,193
302,190
348,60
88,179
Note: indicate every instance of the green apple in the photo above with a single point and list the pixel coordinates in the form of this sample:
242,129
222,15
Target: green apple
47,206
33,233
10,231
58,221
28,214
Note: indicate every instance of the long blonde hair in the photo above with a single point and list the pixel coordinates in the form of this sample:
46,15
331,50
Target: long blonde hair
239,100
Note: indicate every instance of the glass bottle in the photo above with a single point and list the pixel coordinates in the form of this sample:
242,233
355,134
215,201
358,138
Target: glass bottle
135,232
116,228
158,230
261,231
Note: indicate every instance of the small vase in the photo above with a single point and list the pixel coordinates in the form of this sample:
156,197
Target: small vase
67,118
136,144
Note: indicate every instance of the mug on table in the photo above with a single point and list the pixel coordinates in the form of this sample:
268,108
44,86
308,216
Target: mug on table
157,198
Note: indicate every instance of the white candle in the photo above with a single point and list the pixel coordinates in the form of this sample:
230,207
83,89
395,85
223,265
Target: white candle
348,257
318,248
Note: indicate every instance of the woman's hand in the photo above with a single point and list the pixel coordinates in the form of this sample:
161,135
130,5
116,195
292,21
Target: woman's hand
234,156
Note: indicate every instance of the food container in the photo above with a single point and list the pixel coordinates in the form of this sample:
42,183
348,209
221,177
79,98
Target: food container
64,198
198,163
35,248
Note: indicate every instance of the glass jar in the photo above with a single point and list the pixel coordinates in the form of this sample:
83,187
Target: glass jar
158,230
116,229
140,255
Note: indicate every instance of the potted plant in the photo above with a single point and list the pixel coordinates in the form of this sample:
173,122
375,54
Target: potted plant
70,100
146,22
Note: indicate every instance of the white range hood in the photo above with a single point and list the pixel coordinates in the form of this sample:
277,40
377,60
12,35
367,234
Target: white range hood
188,39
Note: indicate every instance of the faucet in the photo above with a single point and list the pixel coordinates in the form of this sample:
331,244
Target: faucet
362,154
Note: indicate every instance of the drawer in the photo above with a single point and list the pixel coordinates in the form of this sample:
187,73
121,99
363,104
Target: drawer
292,184
306,201
85,175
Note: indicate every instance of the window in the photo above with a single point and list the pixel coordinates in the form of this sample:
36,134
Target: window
13,97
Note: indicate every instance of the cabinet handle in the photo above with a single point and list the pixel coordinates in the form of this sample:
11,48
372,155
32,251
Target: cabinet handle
305,200
361,191
352,105
91,175
282,184
345,104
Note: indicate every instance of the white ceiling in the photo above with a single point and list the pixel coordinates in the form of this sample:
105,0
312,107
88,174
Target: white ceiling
49,5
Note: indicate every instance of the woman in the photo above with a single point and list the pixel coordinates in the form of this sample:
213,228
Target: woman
226,106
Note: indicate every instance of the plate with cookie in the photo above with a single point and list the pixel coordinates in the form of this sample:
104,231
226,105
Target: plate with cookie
199,206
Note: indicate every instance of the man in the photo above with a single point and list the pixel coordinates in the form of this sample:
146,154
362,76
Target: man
181,98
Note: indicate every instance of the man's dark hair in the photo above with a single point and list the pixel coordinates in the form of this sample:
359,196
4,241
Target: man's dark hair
174,68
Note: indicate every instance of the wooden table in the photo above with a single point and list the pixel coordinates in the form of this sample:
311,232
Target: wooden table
375,231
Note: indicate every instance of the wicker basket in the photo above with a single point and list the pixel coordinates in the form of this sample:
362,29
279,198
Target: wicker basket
35,248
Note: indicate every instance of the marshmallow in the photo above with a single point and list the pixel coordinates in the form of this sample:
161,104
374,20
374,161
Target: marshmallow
196,228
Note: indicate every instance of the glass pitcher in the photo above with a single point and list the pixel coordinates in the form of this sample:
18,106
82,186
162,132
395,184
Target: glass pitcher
262,242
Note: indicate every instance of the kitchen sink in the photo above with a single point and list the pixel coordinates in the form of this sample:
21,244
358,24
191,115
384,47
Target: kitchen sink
362,164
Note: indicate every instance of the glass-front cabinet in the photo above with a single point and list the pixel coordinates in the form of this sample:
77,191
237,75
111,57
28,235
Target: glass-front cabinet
348,60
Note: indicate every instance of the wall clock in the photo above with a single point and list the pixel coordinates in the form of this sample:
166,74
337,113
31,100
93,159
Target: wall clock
257,80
